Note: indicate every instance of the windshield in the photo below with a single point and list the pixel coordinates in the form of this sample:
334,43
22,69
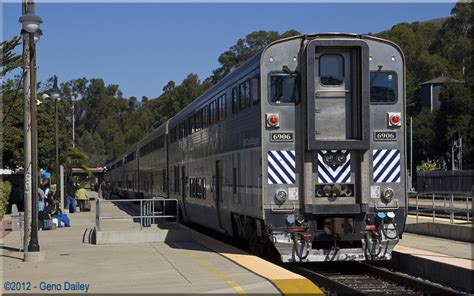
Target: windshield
383,87
331,69
284,88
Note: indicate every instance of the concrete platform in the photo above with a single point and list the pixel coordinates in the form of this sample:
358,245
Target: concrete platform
445,261
128,231
200,265
460,230
174,233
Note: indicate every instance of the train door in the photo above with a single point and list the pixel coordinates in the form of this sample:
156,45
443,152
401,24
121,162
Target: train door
332,94
183,190
337,124
218,192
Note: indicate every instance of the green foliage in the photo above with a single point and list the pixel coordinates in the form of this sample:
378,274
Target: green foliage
455,117
433,51
11,118
426,166
78,159
107,123
244,49
10,60
5,190
424,135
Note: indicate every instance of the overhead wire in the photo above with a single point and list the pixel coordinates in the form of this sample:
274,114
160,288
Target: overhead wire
14,97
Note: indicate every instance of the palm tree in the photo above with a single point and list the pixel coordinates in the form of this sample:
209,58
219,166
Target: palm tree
78,159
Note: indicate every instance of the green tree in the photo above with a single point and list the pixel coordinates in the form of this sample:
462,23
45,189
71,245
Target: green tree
5,190
77,159
92,145
11,116
455,118
244,49
425,136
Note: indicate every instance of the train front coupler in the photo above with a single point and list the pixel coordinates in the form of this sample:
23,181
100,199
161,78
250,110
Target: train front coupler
380,236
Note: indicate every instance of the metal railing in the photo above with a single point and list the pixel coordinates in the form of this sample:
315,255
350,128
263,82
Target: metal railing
436,204
148,214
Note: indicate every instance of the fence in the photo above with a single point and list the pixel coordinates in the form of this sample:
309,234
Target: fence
148,214
442,204
445,181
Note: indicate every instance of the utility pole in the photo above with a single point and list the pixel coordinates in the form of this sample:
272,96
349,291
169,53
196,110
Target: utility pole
411,152
33,246
57,145
27,132
73,97
30,23
55,95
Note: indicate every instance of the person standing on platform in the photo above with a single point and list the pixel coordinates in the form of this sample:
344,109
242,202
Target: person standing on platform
70,202
81,197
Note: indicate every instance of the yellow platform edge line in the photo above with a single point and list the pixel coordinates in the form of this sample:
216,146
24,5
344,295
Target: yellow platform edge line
297,287
293,286
211,268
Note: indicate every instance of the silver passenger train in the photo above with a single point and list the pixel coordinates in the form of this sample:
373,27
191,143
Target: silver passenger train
299,150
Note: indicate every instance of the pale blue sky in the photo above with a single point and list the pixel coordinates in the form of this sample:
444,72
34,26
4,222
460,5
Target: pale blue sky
141,47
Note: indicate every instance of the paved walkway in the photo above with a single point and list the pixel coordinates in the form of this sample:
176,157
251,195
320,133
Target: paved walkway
455,249
185,267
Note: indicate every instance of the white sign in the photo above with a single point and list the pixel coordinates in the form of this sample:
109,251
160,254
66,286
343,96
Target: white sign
293,193
374,191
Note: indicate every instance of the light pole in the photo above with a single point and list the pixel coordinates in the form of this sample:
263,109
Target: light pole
30,23
73,100
55,94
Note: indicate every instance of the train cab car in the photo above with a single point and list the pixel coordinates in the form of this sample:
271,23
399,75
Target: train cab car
300,151
333,144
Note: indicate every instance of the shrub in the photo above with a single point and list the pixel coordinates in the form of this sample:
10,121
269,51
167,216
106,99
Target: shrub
5,190
426,166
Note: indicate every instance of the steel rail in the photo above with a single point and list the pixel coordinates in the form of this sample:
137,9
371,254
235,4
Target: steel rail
366,279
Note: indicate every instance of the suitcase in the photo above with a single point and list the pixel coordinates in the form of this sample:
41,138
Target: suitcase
87,206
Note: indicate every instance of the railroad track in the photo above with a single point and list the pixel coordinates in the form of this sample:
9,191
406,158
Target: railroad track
350,278
354,278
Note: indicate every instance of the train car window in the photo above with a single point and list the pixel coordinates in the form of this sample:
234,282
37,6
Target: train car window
235,100
215,112
255,92
331,69
181,130
201,188
211,113
205,116
222,107
284,88
383,87
186,127
248,93
176,179
242,105
198,116
234,181
191,125
192,187
174,134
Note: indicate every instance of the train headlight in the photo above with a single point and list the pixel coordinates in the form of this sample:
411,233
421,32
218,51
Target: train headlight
388,194
340,158
328,158
281,196
336,190
327,190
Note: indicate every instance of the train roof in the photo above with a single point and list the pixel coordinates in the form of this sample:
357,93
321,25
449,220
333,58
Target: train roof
247,66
